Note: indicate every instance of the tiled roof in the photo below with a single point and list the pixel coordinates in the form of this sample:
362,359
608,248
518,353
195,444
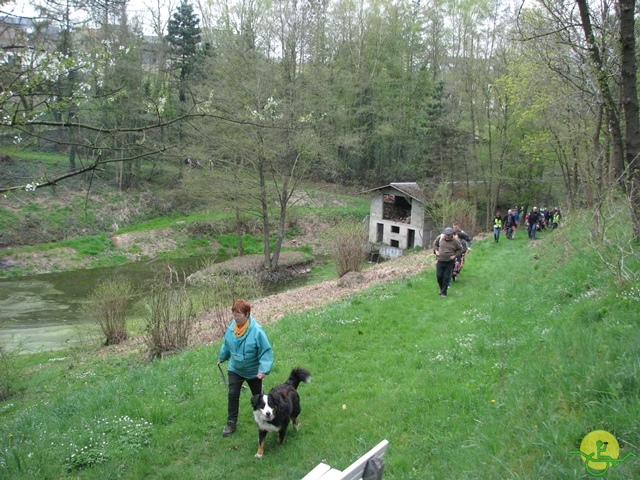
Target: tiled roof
411,189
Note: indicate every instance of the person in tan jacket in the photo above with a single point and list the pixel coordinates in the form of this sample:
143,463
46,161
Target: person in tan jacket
446,248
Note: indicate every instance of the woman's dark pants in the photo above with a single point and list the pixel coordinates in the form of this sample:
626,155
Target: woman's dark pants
235,387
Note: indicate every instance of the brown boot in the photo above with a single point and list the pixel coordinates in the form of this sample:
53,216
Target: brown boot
229,428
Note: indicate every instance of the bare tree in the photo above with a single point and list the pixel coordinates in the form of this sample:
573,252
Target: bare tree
628,71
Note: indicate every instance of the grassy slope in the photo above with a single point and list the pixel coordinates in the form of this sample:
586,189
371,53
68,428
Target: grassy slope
69,217
531,350
87,230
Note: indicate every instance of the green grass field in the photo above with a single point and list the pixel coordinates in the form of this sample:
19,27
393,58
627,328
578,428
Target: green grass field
534,347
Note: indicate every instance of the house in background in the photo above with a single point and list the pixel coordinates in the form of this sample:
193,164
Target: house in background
397,218
20,35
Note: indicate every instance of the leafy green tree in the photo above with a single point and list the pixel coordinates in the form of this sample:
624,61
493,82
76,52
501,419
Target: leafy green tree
444,144
591,50
58,14
272,142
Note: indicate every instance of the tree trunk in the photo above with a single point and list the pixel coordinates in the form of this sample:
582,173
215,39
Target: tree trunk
630,106
265,214
72,157
285,196
598,152
239,229
613,120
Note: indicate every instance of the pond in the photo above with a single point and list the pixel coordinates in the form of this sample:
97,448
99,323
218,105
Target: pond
43,312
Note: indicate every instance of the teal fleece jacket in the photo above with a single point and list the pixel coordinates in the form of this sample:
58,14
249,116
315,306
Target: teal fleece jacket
250,354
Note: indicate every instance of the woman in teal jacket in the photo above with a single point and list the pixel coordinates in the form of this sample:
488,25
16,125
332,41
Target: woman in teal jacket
250,356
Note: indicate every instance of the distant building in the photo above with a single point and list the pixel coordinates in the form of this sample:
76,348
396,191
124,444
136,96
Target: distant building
397,218
21,34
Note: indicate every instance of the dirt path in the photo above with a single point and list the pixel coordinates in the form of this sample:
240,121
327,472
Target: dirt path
272,308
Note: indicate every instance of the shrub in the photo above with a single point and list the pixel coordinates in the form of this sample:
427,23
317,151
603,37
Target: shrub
107,306
609,235
446,210
170,317
9,371
348,240
222,290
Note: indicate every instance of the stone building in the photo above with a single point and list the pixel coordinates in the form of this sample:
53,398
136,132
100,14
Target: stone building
397,218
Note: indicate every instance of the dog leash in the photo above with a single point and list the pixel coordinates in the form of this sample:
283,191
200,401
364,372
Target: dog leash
224,379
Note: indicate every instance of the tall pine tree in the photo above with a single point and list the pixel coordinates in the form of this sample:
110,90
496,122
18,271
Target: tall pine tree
184,36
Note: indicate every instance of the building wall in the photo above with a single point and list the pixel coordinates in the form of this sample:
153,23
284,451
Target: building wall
395,234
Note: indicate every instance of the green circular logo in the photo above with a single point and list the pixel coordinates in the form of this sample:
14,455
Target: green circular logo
600,450
597,443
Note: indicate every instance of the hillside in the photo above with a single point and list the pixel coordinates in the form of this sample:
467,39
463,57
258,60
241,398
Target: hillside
81,224
535,346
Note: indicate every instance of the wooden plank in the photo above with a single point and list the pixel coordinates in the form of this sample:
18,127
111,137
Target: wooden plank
317,472
332,474
356,469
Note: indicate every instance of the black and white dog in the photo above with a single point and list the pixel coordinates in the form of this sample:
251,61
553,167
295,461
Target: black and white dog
272,411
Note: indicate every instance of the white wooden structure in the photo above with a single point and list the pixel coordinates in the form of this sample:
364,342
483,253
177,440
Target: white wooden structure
355,471
397,216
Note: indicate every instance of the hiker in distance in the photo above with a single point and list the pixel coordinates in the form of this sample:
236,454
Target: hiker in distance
509,223
516,215
497,226
532,222
446,248
250,356
555,218
462,235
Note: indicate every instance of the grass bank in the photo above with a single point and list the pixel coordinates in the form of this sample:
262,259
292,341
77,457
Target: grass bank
188,213
533,348
206,233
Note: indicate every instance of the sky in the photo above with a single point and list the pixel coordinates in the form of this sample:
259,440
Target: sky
23,7
135,8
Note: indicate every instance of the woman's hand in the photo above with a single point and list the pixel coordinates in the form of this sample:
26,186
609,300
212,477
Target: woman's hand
261,376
